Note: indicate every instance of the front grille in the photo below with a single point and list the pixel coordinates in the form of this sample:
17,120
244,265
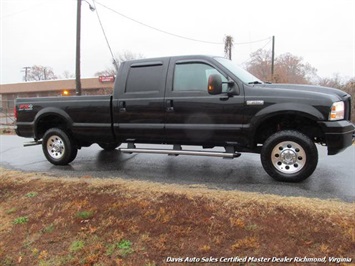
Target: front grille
347,102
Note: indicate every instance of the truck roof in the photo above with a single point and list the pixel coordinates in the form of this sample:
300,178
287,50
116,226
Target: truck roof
182,57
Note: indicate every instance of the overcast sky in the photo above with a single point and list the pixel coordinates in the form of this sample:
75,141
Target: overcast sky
42,32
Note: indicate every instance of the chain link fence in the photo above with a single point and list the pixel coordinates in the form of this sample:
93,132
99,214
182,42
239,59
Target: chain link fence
7,116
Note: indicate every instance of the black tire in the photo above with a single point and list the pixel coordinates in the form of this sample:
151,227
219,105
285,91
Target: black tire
73,154
289,156
111,146
58,148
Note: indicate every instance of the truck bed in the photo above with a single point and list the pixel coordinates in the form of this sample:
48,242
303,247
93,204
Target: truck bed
88,117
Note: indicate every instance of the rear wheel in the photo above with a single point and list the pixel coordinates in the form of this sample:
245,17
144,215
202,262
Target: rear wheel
289,156
58,148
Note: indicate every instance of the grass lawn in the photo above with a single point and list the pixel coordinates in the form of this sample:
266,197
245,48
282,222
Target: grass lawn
87,221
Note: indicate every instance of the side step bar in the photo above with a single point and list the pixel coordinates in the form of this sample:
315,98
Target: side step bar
178,151
32,143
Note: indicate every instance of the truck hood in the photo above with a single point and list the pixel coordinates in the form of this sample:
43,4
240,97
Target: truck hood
311,89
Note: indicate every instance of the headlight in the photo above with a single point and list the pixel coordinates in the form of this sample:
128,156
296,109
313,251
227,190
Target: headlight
337,111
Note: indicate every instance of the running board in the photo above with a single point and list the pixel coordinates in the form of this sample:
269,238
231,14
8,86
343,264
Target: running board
175,152
32,143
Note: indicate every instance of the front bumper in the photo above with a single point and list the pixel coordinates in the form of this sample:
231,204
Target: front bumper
338,135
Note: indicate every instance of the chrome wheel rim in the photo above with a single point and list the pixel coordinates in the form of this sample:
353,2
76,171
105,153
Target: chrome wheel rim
55,147
288,157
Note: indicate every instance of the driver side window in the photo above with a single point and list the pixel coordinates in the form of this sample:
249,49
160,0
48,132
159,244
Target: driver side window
194,77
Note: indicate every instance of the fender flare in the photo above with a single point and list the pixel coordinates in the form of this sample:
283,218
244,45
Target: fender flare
51,111
299,109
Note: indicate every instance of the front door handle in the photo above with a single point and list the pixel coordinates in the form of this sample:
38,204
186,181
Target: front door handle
169,106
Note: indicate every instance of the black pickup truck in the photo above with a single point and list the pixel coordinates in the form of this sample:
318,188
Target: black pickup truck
195,100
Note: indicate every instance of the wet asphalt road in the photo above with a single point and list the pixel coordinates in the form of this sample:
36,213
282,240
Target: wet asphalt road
334,177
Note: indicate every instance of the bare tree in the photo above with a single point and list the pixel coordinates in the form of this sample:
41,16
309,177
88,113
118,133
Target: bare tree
68,75
288,68
121,57
107,72
37,73
342,84
260,64
291,69
127,55
349,87
334,82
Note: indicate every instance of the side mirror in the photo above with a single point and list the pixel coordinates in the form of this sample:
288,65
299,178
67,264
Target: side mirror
214,84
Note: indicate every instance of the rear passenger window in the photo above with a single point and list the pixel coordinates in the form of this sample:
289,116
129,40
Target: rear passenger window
193,77
145,79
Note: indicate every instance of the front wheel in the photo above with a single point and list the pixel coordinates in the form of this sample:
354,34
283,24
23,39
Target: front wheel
289,156
58,148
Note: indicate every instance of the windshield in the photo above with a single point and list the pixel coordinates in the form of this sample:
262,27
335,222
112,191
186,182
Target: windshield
242,74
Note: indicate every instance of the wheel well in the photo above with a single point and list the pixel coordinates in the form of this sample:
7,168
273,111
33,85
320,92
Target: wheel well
277,123
47,122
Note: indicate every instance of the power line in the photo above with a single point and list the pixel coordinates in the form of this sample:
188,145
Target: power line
174,34
270,39
241,43
21,11
156,29
103,31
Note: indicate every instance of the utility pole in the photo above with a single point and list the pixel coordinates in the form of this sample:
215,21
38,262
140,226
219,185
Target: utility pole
228,43
78,33
273,58
26,71
230,52
77,62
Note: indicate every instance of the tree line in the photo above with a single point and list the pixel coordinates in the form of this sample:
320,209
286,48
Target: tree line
289,68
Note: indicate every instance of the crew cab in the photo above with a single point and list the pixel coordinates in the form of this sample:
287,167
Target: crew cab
206,101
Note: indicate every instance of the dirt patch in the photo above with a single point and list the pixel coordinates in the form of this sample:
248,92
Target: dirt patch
7,131
88,221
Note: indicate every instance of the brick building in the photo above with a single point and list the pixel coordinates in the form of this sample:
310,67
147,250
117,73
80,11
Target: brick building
90,86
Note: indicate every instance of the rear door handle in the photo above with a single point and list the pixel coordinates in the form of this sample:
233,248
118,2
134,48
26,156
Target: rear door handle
169,106
122,106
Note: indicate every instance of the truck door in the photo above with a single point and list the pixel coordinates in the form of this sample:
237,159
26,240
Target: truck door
139,107
193,115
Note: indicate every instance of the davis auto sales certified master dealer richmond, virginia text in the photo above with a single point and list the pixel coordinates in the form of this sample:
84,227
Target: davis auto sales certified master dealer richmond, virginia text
257,260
